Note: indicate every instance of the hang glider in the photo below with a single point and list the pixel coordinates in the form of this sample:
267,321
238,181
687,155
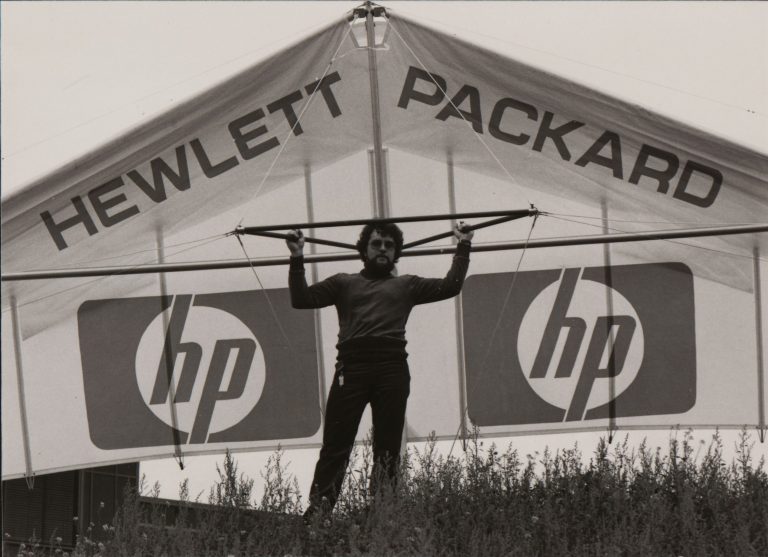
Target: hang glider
128,308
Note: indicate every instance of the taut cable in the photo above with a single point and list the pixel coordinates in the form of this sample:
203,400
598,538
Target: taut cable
496,327
455,108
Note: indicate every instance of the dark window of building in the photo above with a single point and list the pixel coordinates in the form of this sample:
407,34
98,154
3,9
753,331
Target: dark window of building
43,513
63,505
103,490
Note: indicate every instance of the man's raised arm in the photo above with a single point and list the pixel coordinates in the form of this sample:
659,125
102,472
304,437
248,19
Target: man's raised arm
304,296
434,290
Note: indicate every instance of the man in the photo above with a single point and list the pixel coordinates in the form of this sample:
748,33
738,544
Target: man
373,307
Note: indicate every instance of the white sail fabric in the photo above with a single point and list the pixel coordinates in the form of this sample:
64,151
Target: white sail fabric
552,136
652,334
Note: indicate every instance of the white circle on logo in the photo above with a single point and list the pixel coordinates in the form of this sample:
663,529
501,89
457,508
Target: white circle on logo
205,327
588,304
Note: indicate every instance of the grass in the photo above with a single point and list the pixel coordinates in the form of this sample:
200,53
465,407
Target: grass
683,500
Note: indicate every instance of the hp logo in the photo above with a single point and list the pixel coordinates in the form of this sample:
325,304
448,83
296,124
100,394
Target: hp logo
198,370
214,380
580,347
560,355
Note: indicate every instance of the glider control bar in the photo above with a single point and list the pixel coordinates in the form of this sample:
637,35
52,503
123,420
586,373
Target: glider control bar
357,222
536,243
268,230
466,228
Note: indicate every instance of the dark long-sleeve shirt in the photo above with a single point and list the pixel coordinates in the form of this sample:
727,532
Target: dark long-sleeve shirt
371,306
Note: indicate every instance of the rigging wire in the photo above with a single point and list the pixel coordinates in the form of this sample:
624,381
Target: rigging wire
496,327
152,250
288,343
266,296
477,135
111,275
284,143
268,173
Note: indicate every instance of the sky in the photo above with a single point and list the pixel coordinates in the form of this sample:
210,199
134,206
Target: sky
77,74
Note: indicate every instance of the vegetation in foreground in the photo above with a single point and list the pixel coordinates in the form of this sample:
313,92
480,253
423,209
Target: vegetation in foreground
682,501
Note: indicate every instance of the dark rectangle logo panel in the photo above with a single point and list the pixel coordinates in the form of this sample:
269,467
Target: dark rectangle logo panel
554,353
220,367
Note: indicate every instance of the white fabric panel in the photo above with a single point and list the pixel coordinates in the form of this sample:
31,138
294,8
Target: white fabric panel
691,360
419,119
70,422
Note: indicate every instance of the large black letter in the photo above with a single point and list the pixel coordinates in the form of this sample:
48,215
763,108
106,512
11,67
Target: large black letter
682,185
245,348
662,176
452,108
613,162
498,114
286,105
82,217
101,206
324,86
555,134
242,139
172,347
211,170
557,321
161,170
409,91
601,338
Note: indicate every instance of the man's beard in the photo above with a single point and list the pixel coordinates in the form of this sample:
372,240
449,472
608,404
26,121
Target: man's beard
376,266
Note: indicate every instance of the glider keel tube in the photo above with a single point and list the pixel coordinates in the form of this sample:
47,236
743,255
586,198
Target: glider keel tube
520,244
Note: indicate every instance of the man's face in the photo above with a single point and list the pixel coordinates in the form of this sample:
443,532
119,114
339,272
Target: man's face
381,250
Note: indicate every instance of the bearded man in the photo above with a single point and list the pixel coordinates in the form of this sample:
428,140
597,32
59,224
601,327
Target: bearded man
371,368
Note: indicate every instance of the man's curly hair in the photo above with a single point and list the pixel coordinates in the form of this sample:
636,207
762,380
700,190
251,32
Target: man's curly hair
387,229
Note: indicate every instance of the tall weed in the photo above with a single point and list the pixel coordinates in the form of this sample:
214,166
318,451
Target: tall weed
683,500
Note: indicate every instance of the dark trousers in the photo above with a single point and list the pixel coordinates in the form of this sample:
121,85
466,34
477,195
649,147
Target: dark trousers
385,385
